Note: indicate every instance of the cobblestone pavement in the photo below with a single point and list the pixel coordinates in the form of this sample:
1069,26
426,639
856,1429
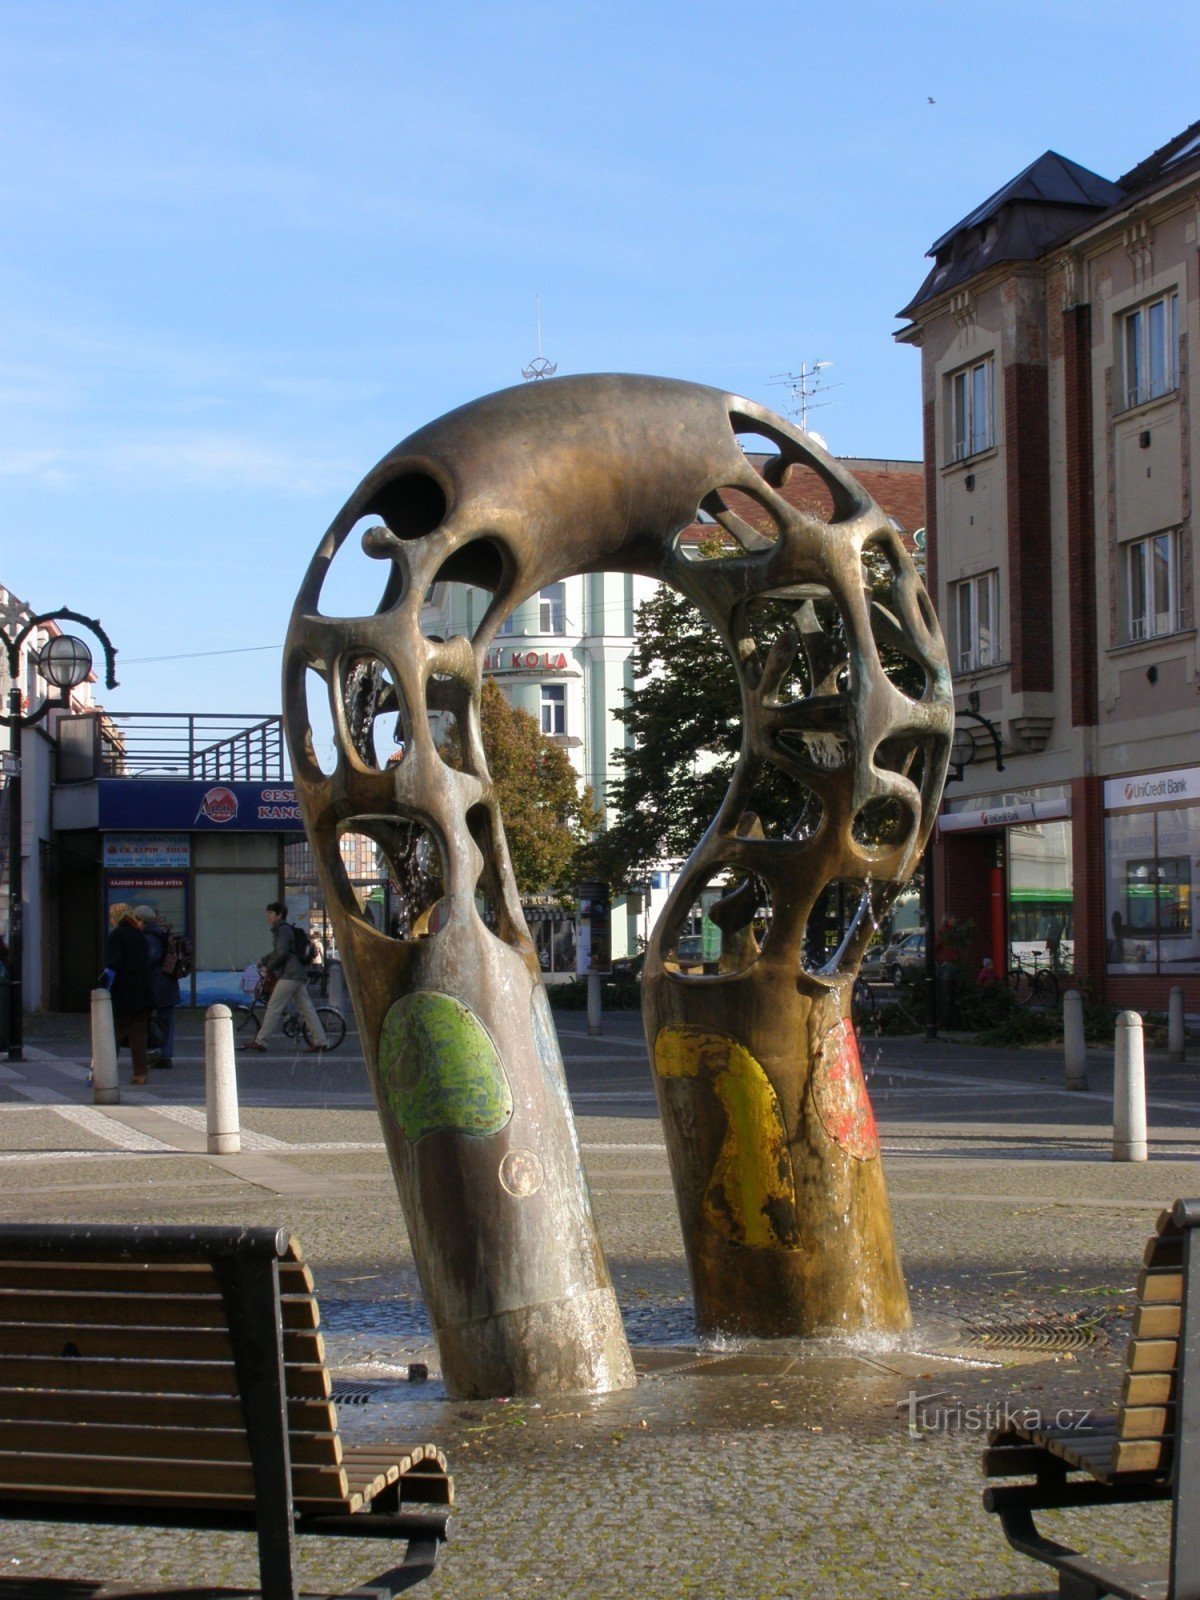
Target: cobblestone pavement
735,1471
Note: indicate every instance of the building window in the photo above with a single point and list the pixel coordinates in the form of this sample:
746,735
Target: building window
509,625
971,410
1152,583
975,610
1150,349
552,609
554,708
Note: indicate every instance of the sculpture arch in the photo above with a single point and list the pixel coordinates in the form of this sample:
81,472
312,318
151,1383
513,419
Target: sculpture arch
768,1126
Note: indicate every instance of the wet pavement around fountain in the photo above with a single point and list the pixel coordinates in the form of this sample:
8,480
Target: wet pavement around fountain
735,1468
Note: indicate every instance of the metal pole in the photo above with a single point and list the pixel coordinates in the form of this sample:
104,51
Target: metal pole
927,911
1175,1034
16,889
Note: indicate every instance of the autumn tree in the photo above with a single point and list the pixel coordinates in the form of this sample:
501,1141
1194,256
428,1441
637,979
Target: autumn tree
547,817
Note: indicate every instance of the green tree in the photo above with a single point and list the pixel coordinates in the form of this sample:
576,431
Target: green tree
684,718
547,817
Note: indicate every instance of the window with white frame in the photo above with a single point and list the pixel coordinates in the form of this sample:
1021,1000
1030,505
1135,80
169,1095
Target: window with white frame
976,602
554,708
1152,584
971,408
552,609
1149,336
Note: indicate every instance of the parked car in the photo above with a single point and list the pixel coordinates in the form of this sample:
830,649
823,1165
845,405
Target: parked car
871,967
906,956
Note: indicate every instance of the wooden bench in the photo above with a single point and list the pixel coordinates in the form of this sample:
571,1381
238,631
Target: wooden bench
176,1377
1150,1450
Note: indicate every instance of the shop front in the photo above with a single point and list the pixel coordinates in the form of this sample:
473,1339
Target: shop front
1152,862
207,857
1006,867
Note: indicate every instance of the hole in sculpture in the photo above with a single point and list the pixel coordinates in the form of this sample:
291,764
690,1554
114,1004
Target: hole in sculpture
739,521
891,588
783,463
412,504
904,757
365,577
481,563
489,899
793,645
320,721
882,825
777,808
376,718
448,707
846,914
724,929
394,869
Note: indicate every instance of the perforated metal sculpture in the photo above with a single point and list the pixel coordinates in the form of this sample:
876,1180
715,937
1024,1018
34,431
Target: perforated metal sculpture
768,1125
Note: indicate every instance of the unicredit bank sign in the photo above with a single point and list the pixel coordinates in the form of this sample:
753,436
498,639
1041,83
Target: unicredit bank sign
1153,789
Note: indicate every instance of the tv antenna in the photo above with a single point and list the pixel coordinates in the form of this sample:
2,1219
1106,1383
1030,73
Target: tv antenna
804,387
539,367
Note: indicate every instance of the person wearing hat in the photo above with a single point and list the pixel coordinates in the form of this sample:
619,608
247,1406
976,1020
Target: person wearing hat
127,957
166,986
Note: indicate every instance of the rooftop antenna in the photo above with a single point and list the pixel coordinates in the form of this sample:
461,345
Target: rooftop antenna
804,387
539,367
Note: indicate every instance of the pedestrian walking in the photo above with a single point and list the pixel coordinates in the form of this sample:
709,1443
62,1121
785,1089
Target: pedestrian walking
127,966
165,984
284,966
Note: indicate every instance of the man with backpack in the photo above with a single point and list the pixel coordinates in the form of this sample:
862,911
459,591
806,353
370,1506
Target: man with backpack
286,963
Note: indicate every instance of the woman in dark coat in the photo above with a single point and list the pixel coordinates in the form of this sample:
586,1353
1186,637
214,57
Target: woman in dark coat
127,957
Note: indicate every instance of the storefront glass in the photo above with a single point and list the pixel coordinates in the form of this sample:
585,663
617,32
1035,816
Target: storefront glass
1153,861
1040,898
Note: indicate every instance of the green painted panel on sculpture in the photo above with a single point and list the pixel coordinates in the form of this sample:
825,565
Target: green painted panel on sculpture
439,1068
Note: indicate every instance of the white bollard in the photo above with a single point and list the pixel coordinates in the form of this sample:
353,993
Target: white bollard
1175,1023
106,1090
595,1025
337,986
1074,1047
1129,1090
220,1083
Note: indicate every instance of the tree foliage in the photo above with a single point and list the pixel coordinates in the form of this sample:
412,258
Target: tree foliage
547,818
684,717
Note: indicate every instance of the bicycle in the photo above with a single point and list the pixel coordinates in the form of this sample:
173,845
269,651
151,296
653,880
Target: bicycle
291,1024
1033,984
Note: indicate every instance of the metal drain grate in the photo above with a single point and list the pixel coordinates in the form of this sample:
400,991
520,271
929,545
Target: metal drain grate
350,1397
1050,1336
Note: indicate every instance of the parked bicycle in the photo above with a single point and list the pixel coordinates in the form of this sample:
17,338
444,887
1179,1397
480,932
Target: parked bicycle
1033,984
334,1023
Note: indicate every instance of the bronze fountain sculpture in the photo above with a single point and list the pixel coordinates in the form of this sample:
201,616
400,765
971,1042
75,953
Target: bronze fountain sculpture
845,691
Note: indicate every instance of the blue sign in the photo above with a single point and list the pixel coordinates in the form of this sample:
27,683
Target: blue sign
161,804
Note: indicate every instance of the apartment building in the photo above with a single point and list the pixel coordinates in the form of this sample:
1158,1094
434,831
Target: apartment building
1055,329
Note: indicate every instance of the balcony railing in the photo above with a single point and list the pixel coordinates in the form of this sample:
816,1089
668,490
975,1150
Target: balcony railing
148,744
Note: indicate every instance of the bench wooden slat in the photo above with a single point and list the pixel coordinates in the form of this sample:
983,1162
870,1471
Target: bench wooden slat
1157,1322
89,1438
156,1377
1142,1455
1152,1355
1147,1422
135,1310
135,1277
1148,1388
1163,1250
306,1348
1158,1287
185,1499
183,1411
136,1475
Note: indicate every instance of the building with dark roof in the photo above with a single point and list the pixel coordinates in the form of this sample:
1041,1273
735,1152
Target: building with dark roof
1061,449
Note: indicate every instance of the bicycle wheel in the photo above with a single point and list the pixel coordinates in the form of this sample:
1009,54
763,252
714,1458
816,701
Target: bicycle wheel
1047,989
1021,984
334,1024
247,1017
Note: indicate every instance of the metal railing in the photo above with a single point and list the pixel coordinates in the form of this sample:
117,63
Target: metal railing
208,745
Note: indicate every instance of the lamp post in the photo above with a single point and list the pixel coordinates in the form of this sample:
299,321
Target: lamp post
962,753
64,662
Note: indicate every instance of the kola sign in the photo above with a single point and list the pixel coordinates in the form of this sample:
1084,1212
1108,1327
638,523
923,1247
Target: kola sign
524,661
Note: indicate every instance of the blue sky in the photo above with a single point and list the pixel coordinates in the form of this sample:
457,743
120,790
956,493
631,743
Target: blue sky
247,247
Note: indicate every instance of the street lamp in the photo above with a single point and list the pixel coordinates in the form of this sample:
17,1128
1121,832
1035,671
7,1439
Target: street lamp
64,662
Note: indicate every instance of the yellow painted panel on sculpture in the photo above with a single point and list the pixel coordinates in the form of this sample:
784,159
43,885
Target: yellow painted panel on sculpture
750,1197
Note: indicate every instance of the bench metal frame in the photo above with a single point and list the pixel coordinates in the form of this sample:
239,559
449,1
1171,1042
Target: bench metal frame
1081,1578
245,1262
